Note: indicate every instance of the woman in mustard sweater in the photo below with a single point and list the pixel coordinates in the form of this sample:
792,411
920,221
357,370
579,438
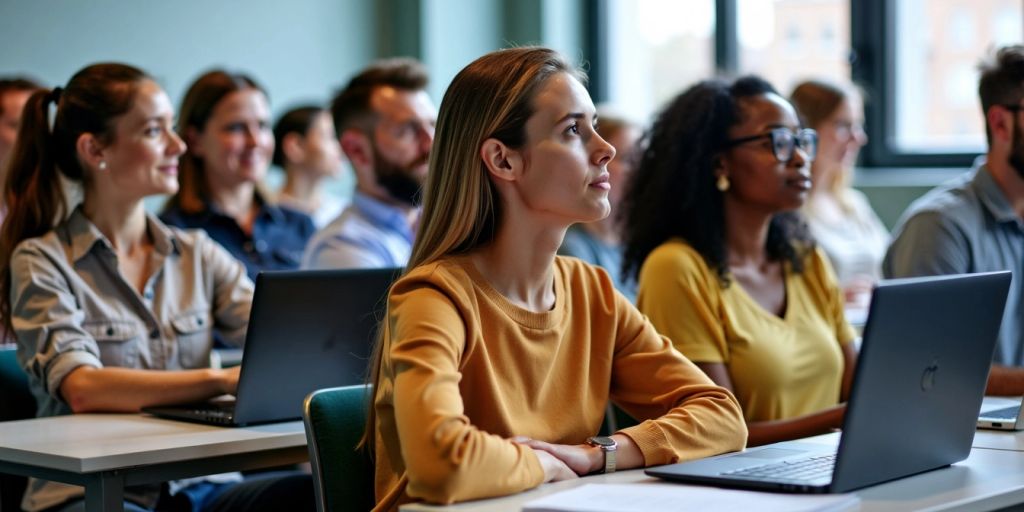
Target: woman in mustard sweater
727,269
497,358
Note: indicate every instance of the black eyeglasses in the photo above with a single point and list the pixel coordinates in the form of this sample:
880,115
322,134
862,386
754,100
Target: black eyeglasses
784,141
1013,108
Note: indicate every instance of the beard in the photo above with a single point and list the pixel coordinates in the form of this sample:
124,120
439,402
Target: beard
401,181
1016,158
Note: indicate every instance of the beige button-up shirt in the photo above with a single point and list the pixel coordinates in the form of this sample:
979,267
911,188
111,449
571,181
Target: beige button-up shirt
71,307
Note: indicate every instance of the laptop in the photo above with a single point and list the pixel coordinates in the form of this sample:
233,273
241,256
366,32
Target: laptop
308,330
1002,417
920,378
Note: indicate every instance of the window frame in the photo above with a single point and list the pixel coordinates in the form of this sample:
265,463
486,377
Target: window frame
872,65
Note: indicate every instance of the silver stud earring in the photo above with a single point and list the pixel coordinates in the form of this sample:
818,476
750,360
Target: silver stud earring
103,165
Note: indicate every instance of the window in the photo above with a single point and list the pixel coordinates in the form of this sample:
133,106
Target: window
915,59
655,49
787,41
935,70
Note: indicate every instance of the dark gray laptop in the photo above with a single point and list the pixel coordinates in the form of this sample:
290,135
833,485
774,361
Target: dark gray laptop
920,379
308,330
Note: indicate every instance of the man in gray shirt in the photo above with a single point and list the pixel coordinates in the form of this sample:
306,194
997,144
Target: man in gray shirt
976,222
385,122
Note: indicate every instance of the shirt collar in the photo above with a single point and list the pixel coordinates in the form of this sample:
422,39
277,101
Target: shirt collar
83,235
267,209
383,214
991,195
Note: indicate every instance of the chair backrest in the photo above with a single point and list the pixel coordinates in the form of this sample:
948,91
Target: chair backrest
342,475
16,403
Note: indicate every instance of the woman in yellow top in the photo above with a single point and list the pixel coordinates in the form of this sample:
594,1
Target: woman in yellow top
725,265
497,358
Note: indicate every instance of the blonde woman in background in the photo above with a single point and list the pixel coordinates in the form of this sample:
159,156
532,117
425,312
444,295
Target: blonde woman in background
840,217
498,358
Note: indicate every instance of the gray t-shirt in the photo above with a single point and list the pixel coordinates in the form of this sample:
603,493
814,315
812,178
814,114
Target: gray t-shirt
966,226
70,307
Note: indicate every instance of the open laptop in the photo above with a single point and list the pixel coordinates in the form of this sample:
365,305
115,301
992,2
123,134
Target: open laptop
919,382
308,330
1002,417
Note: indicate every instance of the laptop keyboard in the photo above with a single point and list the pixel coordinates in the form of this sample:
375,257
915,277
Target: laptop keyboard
810,469
217,412
1009,413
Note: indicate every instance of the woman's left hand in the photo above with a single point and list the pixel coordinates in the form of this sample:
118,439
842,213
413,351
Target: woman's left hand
581,458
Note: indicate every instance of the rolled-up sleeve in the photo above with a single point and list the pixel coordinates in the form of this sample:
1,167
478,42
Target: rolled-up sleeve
48,320
232,289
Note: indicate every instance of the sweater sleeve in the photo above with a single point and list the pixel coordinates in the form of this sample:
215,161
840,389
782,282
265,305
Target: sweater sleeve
446,458
687,416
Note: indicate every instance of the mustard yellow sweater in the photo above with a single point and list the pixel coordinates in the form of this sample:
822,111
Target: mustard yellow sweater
464,370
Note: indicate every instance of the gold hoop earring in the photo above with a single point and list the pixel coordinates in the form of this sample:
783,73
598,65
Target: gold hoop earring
722,184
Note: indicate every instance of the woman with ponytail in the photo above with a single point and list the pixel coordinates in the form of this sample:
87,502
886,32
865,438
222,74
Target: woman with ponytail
498,358
114,311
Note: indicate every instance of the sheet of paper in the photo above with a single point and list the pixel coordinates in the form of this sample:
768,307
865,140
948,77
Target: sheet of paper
647,497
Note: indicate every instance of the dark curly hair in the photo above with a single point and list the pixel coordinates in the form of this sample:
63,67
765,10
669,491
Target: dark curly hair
672,192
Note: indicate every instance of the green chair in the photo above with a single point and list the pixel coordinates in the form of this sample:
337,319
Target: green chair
16,403
615,419
342,474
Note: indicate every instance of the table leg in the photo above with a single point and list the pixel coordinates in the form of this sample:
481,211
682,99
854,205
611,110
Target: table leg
105,492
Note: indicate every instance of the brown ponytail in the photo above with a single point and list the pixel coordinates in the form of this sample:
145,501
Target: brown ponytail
92,101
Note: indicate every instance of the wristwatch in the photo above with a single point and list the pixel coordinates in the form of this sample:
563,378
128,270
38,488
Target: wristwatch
608,446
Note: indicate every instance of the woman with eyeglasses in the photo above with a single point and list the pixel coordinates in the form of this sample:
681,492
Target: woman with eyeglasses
840,217
726,267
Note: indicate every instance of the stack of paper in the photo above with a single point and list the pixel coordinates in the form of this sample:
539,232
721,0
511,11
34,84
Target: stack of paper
648,497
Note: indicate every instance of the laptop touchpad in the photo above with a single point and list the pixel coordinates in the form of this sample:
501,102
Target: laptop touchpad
769,453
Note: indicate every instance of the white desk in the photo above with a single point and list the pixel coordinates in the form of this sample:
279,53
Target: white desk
987,480
999,439
106,452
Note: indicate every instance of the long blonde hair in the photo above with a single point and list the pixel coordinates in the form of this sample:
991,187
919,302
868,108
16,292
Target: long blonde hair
492,97
815,101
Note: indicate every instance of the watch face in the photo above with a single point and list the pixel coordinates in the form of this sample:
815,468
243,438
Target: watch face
601,441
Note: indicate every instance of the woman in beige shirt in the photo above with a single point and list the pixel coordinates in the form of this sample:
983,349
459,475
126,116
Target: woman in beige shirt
498,358
113,310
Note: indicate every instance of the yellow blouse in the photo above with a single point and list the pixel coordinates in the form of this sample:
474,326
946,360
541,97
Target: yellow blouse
781,367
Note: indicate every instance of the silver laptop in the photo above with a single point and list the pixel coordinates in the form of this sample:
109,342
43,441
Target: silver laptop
1002,417
920,379
308,330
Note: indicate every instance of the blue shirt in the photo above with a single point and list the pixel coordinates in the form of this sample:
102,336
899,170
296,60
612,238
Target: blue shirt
581,244
966,226
279,235
367,234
